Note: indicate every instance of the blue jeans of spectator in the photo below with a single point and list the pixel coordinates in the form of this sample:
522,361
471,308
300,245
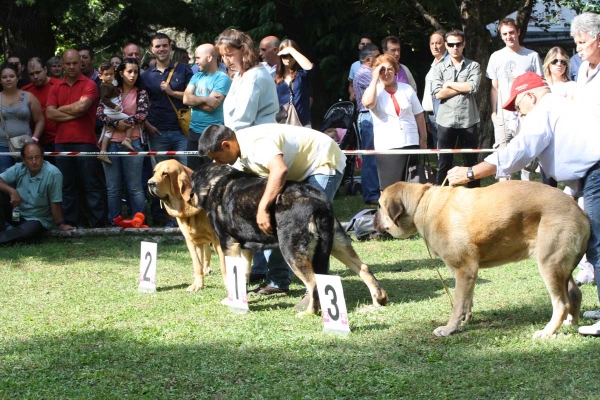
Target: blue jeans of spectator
124,170
369,180
278,272
433,130
173,140
84,169
591,197
5,161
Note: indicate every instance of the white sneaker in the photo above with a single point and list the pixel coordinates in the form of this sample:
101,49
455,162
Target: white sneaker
585,275
592,314
590,330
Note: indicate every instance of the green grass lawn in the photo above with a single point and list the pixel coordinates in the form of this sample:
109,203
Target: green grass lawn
73,325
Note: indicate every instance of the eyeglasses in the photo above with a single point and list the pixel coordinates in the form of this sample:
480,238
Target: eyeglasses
557,61
457,44
517,105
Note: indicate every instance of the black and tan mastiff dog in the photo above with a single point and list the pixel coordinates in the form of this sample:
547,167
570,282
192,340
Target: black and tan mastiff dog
171,183
305,229
486,227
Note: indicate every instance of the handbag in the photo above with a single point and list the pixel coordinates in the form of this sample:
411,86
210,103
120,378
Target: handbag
184,115
423,172
15,144
287,113
362,223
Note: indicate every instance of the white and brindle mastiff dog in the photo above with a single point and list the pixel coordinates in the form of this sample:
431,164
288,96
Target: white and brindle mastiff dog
486,227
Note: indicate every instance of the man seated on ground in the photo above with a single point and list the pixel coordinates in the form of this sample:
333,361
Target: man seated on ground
279,152
35,187
564,136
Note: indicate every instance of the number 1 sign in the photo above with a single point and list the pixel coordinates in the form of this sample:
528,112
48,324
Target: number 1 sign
236,268
333,304
147,268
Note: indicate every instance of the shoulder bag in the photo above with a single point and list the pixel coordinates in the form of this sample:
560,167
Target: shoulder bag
184,116
423,172
287,113
15,144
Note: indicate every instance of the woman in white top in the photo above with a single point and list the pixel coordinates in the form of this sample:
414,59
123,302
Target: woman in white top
556,71
252,98
398,120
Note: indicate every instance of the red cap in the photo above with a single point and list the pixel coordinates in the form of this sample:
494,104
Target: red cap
523,83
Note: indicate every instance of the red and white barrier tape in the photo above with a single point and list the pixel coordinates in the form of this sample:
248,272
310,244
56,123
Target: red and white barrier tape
195,153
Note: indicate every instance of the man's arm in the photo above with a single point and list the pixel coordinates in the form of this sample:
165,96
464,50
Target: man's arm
205,103
275,183
458,175
56,209
351,90
494,98
15,199
54,114
78,108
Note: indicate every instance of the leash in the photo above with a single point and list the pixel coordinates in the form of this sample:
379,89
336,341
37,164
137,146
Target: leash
431,257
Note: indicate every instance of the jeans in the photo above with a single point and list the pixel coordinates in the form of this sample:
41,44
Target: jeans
128,170
193,162
271,261
173,140
169,140
369,180
5,161
83,169
457,138
433,129
591,197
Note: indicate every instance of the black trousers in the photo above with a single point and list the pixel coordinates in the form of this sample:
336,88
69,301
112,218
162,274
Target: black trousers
457,138
18,231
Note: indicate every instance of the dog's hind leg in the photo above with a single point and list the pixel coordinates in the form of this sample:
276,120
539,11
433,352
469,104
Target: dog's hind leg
219,251
303,269
574,303
466,276
343,251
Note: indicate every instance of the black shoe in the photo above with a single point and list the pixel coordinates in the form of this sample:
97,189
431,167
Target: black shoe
255,278
372,202
267,290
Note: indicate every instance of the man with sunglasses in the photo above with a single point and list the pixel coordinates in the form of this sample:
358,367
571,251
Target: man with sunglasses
455,82
562,136
504,66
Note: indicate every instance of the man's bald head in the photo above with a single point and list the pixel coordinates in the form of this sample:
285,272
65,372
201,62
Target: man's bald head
206,58
132,50
268,49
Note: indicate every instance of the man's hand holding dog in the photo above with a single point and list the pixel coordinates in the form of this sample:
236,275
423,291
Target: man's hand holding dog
275,183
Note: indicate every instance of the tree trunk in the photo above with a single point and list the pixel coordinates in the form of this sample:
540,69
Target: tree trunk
26,32
477,39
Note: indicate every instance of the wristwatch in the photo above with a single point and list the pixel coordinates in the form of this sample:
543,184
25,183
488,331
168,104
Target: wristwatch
470,174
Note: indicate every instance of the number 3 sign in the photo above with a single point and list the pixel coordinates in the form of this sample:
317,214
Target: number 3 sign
333,304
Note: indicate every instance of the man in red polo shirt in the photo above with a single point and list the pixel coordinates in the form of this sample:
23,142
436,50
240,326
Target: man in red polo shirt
40,87
71,103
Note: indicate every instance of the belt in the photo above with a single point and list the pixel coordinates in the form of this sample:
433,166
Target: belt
361,112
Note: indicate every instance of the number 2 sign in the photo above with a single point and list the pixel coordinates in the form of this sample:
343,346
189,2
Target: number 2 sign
333,304
147,267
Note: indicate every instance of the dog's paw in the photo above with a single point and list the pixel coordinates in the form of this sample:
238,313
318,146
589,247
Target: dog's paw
571,321
207,271
444,330
543,335
194,287
226,301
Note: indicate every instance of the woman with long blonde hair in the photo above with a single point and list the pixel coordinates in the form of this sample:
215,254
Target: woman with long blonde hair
556,71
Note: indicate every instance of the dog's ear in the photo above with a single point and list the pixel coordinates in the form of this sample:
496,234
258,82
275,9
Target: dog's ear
184,183
395,209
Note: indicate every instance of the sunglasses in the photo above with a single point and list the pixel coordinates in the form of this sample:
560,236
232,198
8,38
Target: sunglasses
286,55
557,61
457,44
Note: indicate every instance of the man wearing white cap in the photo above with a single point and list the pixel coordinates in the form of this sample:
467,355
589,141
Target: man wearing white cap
567,143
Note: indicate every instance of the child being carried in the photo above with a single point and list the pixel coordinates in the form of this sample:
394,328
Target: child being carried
111,99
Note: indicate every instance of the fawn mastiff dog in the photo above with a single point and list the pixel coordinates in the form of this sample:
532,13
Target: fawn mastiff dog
171,182
305,229
490,226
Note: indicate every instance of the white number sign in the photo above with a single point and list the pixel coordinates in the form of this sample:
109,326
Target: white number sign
333,304
236,268
147,267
